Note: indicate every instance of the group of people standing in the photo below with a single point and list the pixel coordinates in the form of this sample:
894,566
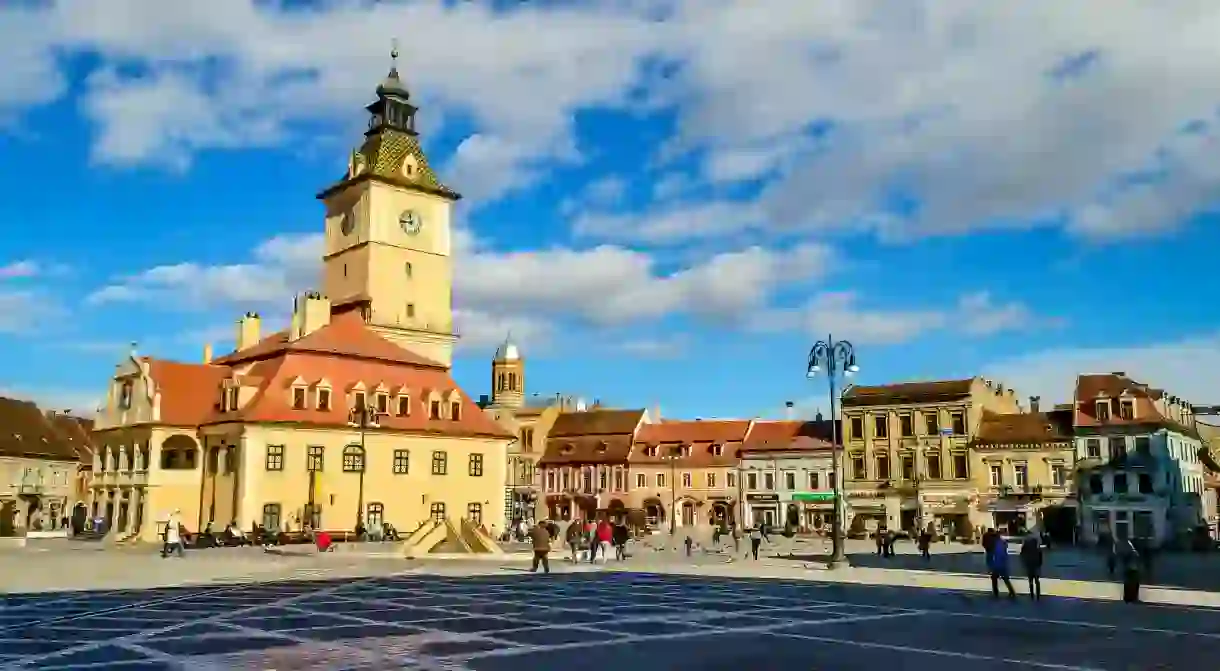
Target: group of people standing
595,538
1121,555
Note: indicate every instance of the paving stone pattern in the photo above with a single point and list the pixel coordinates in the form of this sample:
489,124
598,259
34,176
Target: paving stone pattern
523,622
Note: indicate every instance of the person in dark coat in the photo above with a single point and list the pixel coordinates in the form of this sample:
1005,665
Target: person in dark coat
1031,559
621,534
540,538
1129,560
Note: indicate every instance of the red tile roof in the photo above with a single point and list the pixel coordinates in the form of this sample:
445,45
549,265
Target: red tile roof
1112,389
344,353
700,440
26,432
78,431
908,392
591,437
788,436
1028,428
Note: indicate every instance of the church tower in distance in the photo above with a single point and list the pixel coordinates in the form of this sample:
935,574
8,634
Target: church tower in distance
507,376
388,249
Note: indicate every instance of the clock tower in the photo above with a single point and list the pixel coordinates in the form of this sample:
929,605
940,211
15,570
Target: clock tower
388,237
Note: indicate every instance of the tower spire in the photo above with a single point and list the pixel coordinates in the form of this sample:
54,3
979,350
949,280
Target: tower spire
394,58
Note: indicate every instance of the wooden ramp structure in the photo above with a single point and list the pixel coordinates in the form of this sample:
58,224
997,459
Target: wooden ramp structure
449,539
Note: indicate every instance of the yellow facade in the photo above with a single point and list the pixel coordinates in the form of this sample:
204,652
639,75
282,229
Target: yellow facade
40,491
700,495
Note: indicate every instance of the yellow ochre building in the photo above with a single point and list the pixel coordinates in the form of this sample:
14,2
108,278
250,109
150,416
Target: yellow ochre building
271,433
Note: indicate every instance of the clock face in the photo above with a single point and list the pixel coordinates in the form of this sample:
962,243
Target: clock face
410,221
348,224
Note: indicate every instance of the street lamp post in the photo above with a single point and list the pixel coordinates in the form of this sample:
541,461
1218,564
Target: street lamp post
362,416
835,358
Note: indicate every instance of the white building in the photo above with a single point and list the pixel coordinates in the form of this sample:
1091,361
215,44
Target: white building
1139,468
786,475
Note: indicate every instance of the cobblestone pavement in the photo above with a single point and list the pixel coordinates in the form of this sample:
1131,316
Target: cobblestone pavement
522,622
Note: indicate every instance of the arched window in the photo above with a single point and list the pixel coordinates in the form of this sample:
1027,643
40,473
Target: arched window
437,511
376,515
353,459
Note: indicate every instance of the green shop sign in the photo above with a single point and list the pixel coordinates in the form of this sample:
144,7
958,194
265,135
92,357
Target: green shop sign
813,496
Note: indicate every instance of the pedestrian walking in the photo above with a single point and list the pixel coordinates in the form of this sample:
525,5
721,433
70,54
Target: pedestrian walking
891,537
1031,559
540,538
572,537
925,545
621,534
1129,559
173,535
997,565
591,539
880,538
690,544
605,538
756,538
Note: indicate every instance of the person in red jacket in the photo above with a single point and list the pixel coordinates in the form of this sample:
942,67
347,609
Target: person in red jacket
605,538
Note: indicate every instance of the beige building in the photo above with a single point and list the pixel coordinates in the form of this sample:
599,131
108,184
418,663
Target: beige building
1023,466
348,415
684,473
38,466
529,422
584,471
787,475
907,461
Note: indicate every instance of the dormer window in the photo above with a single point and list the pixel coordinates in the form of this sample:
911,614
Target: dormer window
650,451
717,450
1126,410
404,406
1102,408
324,400
298,398
567,449
125,390
229,403
434,410
359,400
383,403
602,447
684,450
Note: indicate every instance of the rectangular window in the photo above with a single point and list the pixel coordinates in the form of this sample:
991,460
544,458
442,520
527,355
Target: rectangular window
790,481
857,468
933,461
830,480
686,481
711,480
730,479
404,406
931,421
440,462
958,420
1120,483
1103,410
603,479
997,475
434,410
455,411
1126,410
272,517
1058,475
908,468
383,404
961,467
474,513
1020,474
353,459
1118,447
641,481
402,462
298,398
359,400
1095,484
314,458
906,423
437,512
813,482
324,400
857,428
620,481
752,481
1092,448
1145,483
410,310
883,467
881,426
769,481
660,479
275,458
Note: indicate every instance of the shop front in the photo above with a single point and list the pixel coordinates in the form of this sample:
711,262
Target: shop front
947,515
721,510
866,513
1010,516
816,510
763,509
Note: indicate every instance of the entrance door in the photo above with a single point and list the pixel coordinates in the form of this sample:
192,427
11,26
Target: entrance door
688,514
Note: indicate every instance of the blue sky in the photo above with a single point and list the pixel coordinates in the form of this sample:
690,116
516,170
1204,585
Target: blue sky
667,203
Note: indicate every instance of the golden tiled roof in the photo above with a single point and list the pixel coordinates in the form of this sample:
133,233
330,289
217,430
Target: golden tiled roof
385,152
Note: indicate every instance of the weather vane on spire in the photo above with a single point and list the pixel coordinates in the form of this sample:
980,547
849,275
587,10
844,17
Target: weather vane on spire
394,53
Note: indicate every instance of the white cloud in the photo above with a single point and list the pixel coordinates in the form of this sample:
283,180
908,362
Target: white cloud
1184,368
969,107
17,269
842,314
525,292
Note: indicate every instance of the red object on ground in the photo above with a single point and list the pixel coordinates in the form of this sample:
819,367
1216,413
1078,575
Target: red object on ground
323,541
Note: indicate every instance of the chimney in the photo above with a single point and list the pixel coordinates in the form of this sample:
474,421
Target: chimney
1033,403
248,328
207,353
789,410
310,312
